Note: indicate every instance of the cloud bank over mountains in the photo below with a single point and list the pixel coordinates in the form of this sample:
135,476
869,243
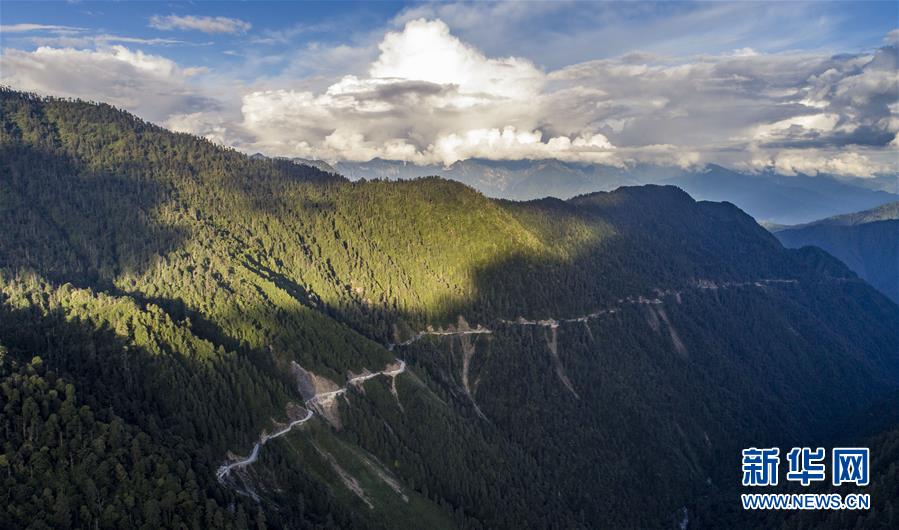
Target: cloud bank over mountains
429,97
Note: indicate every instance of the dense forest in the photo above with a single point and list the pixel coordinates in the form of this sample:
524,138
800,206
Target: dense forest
867,242
164,301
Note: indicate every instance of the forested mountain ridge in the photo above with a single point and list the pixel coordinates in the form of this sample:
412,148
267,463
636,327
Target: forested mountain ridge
186,293
867,241
884,212
767,196
784,199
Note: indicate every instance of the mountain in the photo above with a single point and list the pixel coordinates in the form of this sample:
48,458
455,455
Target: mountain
509,179
781,199
887,183
766,196
884,212
868,242
317,164
190,337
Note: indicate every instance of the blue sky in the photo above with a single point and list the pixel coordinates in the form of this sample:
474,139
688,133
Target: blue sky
323,22
791,86
677,27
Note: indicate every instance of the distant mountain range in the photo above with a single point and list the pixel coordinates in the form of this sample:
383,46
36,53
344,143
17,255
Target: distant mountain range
514,179
868,242
317,164
767,196
781,199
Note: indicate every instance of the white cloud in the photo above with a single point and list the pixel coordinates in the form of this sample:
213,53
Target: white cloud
204,24
76,37
429,97
812,162
88,41
28,28
423,95
510,143
426,51
821,122
892,37
150,85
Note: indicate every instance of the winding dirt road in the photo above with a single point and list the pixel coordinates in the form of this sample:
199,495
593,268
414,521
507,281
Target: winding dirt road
226,469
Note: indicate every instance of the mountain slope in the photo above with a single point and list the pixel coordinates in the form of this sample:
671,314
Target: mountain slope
885,212
868,242
557,354
766,196
317,164
781,199
512,179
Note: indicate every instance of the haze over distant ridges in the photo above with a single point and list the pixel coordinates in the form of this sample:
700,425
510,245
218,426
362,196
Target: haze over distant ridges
867,241
767,196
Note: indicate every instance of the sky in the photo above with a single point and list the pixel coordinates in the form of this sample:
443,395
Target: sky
791,87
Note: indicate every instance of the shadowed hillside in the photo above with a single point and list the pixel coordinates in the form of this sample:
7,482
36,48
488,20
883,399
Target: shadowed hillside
868,242
558,352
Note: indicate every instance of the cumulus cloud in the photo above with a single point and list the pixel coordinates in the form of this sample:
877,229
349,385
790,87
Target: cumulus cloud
423,95
732,101
426,51
812,162
510,143
429,97
151,86
204,24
